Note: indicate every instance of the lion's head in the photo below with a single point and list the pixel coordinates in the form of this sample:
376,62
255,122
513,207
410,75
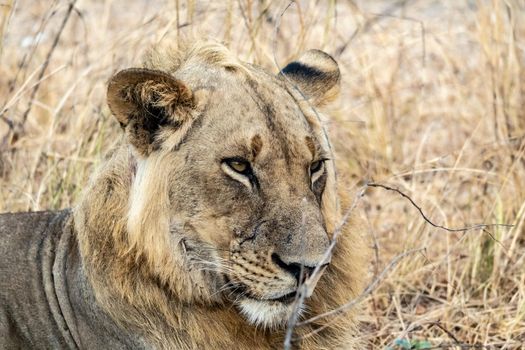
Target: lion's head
227,193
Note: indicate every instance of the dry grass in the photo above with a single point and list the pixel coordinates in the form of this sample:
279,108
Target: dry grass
433,103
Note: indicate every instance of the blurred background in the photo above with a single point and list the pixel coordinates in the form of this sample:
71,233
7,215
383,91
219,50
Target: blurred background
432,103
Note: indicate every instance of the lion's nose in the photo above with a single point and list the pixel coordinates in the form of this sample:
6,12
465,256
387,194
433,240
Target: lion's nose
299,271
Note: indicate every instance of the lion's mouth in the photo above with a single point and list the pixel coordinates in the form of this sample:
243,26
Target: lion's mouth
268,312
242,290
285,299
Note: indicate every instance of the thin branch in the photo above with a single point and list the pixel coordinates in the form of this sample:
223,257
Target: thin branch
449,333
25,61
462,229
47,61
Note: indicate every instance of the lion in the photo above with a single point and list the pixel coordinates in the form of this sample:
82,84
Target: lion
199,229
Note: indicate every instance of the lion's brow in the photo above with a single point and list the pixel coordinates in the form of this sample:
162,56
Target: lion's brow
311,145
256,145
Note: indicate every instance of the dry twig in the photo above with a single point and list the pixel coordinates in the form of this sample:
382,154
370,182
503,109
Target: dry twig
47,61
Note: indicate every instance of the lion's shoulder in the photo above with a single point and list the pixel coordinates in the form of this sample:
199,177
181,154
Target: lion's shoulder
16,229
26,238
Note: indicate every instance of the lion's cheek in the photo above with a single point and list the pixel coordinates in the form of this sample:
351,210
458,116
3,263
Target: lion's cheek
213,231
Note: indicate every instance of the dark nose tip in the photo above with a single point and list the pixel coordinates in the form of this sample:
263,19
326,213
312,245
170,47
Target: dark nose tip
300,272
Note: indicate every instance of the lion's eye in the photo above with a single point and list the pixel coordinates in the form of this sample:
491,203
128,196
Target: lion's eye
316,170
240,170
240,166
316,166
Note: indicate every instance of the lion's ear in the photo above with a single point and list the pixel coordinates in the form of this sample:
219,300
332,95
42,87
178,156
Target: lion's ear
146,101
316,74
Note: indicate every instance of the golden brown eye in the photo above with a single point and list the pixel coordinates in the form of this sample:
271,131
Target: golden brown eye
239,167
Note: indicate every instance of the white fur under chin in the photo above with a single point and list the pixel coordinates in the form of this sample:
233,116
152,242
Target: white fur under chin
265,314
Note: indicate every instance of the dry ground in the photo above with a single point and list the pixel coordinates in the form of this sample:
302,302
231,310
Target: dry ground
432,103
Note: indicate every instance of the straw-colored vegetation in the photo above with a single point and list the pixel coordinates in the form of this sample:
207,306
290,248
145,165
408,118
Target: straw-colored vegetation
432,103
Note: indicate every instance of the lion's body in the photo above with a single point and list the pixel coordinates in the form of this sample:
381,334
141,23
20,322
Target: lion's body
167,225
45,299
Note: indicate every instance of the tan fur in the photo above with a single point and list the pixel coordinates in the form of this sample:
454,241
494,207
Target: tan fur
161,224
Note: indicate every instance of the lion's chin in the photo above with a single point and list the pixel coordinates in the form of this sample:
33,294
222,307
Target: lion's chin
265,313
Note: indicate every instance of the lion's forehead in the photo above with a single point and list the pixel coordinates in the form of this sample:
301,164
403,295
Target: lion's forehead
240,108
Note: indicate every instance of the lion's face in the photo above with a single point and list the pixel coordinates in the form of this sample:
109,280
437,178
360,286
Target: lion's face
243,168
